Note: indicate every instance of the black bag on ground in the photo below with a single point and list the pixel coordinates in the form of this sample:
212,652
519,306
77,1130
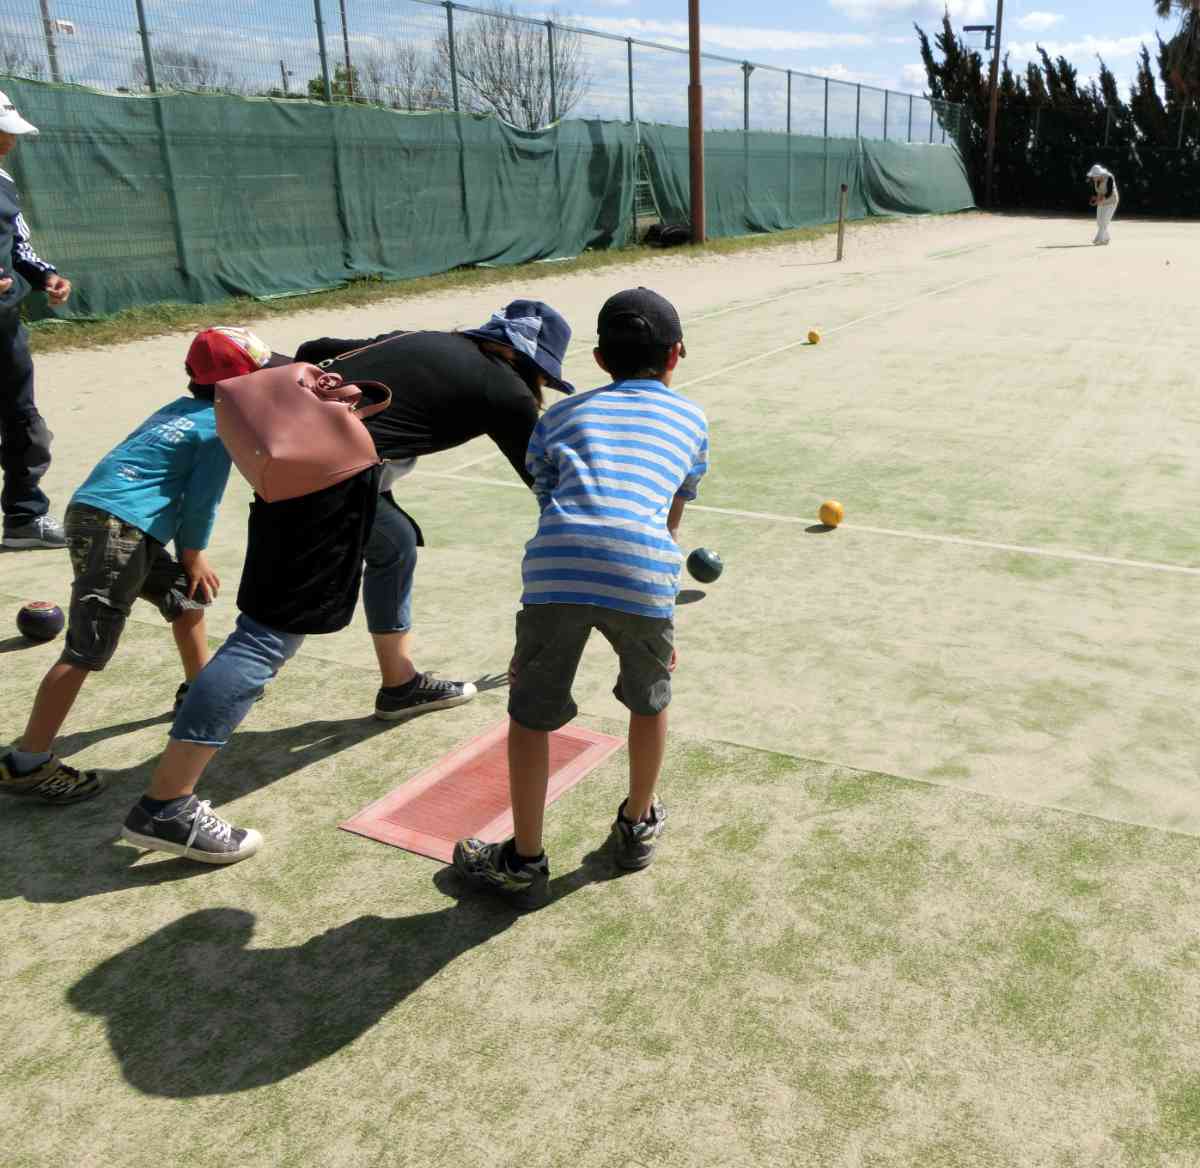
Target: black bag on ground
668,234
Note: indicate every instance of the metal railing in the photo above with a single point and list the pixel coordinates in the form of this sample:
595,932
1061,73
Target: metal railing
437,54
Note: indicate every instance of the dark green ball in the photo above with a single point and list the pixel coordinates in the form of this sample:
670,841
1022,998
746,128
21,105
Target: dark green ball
705,565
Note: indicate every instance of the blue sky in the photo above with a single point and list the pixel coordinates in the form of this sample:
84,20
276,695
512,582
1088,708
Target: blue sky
867,41
872,40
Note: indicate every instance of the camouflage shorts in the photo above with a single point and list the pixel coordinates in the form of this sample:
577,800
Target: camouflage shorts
115,564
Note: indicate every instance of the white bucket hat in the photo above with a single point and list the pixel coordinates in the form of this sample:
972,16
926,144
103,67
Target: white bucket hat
11,122
1098,171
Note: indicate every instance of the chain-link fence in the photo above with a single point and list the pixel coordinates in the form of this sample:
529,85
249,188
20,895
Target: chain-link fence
422,55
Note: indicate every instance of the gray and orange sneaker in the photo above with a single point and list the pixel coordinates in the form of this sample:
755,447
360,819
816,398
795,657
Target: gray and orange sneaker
634,844
52,782
497,868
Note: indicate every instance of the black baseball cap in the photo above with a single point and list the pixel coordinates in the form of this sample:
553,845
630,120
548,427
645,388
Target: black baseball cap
640,314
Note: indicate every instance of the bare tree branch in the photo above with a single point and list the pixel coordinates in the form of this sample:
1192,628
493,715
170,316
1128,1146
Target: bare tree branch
178,68
503,67
18,61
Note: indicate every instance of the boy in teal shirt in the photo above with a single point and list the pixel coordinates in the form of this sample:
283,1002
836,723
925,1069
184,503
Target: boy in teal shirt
163,483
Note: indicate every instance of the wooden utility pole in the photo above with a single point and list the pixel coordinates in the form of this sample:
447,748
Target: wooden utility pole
696,124
995,105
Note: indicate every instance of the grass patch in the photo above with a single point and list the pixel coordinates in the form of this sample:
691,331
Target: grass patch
135,324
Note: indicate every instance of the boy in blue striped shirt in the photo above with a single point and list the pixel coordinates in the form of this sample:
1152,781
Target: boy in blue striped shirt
613,470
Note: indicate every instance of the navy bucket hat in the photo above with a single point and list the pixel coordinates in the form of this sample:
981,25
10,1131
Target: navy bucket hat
534,330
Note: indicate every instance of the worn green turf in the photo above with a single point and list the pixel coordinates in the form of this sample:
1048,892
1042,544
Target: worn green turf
874,938
828,967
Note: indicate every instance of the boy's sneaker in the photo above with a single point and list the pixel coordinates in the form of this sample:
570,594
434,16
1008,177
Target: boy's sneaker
634,844
427,693
195,832
488,866
52,782
42,532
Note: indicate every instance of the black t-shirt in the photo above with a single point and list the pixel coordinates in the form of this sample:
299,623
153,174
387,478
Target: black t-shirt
445,391
304,557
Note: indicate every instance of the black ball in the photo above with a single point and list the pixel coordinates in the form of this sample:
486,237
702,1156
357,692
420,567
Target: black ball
40,620
704,565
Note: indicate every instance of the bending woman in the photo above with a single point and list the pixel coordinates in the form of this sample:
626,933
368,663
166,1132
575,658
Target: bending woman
447,389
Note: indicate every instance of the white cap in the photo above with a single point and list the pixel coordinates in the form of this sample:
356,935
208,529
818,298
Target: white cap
11,122
1098,171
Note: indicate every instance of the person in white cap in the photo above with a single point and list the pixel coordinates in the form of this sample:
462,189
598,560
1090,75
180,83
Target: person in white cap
24,436
1105,199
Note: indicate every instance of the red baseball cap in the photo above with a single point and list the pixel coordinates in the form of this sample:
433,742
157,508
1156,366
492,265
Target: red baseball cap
220,353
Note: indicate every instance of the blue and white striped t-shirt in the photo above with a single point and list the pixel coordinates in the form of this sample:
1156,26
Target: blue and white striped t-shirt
607,466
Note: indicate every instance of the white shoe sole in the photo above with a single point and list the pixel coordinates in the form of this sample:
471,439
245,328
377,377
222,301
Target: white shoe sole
469,691
18,543
250,845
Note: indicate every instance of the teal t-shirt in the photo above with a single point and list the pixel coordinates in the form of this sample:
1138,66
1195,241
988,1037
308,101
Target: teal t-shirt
167,478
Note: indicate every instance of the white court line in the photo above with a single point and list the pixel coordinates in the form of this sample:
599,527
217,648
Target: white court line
476,461
691,320
829,332
919,536
782,348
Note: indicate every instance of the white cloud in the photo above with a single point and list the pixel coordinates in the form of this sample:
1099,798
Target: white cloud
915,78
1089,47
873,10
1040,21
730,37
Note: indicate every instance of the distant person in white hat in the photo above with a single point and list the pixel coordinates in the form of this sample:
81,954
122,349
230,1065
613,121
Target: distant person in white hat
24,436
1105,199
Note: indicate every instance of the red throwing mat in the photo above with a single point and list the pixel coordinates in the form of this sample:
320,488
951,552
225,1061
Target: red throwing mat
466,793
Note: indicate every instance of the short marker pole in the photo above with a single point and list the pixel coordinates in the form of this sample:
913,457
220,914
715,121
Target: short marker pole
842,220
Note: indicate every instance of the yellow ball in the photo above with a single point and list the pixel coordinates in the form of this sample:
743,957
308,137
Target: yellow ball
814,337
832,513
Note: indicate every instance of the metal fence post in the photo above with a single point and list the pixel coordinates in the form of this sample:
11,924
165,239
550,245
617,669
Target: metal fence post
147,56
321,48
932,108
887,93
346,47
1182,118
910,105
747,69
629,57
553,72
51,47
857,111
825,165
1107,125
453,62
789,147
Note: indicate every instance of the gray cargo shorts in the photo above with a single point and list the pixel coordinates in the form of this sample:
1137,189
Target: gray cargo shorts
550,641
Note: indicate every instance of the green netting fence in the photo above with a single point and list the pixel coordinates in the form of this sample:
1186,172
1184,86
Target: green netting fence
196,198
771,182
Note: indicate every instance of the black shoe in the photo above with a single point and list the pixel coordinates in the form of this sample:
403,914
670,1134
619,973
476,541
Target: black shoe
487,866
196,832
53,782
634,844
428,693
42,532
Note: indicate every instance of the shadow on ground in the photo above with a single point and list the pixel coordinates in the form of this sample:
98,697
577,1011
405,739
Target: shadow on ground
39,864
253,1017
16,644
